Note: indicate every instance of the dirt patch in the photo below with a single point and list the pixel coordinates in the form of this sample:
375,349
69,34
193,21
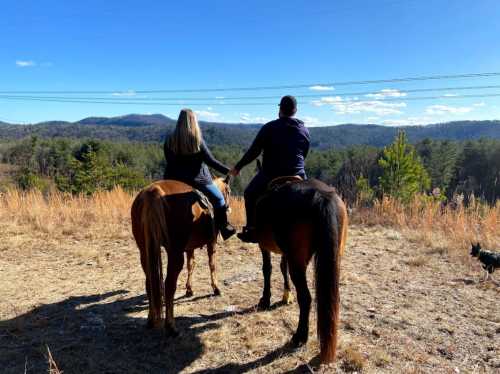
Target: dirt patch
404,309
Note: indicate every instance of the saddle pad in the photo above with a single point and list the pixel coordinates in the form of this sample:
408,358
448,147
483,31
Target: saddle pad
204,202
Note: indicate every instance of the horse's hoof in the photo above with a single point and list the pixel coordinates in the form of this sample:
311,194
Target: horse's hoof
171,332
189,293
298,340
264,304
217,292
287,297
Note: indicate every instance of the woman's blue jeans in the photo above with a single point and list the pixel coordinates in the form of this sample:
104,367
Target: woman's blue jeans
213,193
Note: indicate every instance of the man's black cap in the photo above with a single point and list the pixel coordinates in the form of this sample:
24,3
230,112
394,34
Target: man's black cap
288,105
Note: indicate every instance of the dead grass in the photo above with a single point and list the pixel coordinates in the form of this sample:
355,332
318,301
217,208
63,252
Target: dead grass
53,369
435,226
352,360
104,214
418,261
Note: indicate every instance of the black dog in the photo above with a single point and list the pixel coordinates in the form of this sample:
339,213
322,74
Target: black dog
490,260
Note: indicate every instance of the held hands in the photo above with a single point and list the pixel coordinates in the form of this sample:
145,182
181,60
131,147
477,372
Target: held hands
234,172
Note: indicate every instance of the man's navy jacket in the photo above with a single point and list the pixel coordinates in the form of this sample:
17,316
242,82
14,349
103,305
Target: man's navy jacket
284,143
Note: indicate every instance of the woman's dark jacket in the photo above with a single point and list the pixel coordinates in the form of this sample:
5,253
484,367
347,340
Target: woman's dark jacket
192,168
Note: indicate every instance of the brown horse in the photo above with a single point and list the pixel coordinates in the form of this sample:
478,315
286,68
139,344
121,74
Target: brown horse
168,213
298,220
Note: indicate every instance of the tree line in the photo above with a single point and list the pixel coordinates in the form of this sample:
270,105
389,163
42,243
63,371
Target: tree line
439,168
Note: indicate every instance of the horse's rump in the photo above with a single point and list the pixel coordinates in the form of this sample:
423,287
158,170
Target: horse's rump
187,212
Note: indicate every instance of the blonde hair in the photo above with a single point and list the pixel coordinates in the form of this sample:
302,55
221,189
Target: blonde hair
186,138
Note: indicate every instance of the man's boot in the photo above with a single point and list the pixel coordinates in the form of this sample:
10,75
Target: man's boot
225,228
248,235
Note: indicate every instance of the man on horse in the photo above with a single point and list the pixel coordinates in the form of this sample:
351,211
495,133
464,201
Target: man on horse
284,143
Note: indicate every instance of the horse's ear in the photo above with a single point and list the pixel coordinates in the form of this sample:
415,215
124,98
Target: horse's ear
227,180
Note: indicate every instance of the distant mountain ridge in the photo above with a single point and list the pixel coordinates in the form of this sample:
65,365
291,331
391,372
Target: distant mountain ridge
130,120
155,127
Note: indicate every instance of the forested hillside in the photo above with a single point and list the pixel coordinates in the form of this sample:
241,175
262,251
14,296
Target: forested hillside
154,128
440,166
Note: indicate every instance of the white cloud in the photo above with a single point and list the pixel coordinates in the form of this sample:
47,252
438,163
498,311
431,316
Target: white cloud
409,121
321,88
25,63
478,105
311,121
388,92
219,97
328,100
450,94
248,118
124,93
207,114
355,106
372,119
446,109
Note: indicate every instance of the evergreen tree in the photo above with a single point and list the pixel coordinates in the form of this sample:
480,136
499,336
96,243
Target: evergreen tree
403,174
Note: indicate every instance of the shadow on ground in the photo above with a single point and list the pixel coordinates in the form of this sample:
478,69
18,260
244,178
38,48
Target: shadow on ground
97,334
91,334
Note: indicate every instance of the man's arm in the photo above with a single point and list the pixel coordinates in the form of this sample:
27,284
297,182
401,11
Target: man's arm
306,151
252,153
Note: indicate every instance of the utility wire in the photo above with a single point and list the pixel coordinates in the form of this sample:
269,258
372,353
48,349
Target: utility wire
351,100
329,93
261,88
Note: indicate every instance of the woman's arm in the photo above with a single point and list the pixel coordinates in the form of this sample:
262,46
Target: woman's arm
210,160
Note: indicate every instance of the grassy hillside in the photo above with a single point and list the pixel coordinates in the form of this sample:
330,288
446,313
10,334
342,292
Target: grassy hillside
154,128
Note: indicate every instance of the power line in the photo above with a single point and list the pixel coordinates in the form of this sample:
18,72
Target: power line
351,100
341,94
261,88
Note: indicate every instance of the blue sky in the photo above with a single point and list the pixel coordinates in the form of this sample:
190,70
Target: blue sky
125,46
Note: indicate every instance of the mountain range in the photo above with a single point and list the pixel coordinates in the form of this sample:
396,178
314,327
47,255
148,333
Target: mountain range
154,128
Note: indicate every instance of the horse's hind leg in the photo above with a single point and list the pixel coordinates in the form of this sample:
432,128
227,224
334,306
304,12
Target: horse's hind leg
298,275
174,267
287,295
211,264
152,322
191,263
265,301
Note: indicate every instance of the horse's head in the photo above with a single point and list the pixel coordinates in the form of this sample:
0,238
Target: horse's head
224,186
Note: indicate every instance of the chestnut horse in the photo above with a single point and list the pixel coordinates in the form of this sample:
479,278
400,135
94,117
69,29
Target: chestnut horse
299,219
168,213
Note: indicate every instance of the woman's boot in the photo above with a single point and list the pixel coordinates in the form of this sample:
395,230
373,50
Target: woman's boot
225,228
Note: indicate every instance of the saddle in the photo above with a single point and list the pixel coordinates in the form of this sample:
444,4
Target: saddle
197,196
281,181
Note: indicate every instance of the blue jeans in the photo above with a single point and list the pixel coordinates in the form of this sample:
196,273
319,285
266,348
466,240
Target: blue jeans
213,193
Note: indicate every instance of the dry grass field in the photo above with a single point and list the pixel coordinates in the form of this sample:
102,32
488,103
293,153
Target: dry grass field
72,296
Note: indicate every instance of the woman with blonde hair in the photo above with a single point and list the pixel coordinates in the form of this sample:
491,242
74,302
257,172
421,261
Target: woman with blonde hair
187,158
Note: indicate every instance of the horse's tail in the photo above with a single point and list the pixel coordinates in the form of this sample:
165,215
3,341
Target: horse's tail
155,232
330,227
